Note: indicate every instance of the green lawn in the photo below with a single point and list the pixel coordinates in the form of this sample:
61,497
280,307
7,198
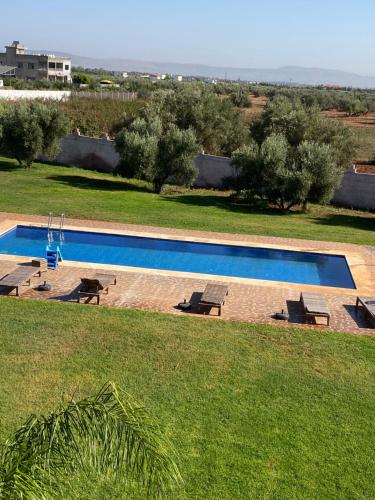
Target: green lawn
255,411
90,195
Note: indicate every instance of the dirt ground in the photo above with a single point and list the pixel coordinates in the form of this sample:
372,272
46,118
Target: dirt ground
365,167
354,121
258,104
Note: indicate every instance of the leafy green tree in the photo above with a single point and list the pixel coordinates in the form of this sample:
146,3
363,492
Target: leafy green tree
82,79
109,433
240,99
299,123
285,177
282,116
31,129
149,151
321,172
138,148
176,152
220,128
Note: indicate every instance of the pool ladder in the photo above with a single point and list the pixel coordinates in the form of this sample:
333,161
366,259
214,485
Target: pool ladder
53,255
50,228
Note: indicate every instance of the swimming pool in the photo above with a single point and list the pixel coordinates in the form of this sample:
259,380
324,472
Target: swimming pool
187,256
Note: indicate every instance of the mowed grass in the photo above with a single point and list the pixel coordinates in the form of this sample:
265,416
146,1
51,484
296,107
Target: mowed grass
90,195
254,411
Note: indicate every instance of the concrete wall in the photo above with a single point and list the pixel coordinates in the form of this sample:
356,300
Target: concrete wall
357,190
15,95
213,170
100,154
88,152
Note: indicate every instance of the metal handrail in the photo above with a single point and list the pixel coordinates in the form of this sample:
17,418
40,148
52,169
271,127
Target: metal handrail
49,229
61,234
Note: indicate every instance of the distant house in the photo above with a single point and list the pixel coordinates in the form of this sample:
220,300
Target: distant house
7,71
31,66
179,78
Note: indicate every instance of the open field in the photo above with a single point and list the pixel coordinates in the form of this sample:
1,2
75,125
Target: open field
90,195
255,411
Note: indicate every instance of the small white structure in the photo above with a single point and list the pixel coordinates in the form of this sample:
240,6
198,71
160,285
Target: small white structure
179,78
125,74
108,83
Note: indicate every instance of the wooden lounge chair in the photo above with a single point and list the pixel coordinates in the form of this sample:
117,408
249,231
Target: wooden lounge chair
94,287
41,264
18,277
214,296
368,306
314,306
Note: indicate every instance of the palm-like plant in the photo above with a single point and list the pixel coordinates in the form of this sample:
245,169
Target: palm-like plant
109,433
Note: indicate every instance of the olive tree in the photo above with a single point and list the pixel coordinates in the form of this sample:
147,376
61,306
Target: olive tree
285,177
240,99
31,129
149,151
220,128
296,156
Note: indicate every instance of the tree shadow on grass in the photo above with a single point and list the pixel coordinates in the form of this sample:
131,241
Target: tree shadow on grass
366,223
224,203
82,182
8,165
352,221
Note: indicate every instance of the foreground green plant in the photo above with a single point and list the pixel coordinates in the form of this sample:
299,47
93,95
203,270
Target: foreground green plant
109,434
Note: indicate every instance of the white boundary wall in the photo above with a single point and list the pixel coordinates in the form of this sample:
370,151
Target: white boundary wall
17,95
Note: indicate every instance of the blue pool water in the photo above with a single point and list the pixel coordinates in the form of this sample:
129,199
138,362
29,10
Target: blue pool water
206,258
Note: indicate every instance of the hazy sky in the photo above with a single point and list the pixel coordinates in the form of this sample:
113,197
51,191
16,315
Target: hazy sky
335,34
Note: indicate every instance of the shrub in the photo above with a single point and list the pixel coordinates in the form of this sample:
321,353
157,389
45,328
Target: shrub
240,99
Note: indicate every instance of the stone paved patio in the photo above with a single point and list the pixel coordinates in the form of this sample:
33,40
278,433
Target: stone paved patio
159,292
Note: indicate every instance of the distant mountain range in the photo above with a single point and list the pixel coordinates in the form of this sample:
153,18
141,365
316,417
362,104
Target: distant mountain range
286,74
